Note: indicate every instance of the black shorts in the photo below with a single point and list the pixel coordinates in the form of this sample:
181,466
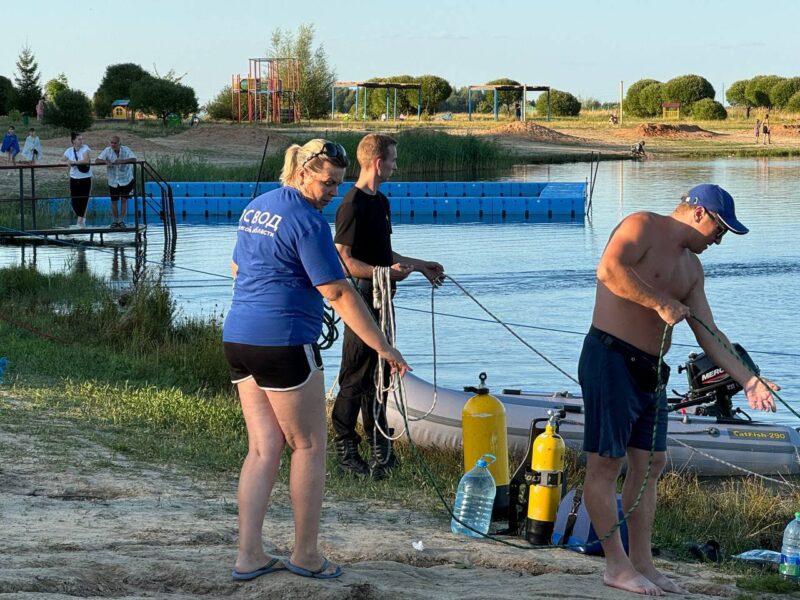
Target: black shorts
122,191
622,398
274,368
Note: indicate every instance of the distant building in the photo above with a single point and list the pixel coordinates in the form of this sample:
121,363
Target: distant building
671,110
120,110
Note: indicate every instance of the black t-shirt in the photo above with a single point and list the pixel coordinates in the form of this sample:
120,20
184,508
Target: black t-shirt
363,223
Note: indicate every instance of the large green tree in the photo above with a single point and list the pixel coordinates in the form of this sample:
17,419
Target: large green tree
783,90
650,99
27,82
316,76
505,99
70,109
758,90
160,97
562,104
687,89
435,90
7,95
377,98
736,93
116,85
55,85
632,104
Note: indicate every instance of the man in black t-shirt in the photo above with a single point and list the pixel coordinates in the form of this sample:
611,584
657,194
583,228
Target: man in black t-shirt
363,239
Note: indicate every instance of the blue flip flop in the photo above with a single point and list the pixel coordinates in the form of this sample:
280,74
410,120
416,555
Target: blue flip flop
318,574
273,565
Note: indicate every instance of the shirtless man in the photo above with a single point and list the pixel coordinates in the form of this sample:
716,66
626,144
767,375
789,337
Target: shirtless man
649,276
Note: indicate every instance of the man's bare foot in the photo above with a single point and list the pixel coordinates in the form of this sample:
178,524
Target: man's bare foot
633,582
661,580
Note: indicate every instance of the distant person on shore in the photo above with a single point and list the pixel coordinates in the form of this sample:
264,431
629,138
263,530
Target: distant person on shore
32,150
363,239
517,110
284,264
613,119
10,145
649,277
638,149
757,129
766,131
79,158
120,160
40,109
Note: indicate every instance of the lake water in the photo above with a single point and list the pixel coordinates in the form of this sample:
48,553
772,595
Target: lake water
541,275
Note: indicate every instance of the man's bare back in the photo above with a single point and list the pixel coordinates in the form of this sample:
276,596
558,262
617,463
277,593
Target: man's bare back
652,248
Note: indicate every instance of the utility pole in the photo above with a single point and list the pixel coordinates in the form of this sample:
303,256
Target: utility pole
620,102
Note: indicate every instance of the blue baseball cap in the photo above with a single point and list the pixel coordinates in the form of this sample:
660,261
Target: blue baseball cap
714,199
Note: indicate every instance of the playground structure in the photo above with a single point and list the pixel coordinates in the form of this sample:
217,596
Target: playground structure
372,85
271,90
522,89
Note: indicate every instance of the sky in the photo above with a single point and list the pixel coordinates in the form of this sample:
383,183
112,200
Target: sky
584,47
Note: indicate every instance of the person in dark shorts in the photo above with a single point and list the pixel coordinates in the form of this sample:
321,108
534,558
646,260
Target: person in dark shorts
119,160
284,264
626,395
649,279
363,239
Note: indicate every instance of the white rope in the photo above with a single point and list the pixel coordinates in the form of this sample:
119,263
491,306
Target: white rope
732,466
382,302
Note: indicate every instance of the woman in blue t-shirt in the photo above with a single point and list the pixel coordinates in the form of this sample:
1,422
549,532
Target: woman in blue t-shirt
284,264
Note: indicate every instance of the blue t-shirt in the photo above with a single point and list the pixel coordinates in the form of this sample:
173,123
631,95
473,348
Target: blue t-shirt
283,250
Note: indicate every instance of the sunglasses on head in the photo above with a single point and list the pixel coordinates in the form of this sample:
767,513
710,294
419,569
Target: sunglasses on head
333,152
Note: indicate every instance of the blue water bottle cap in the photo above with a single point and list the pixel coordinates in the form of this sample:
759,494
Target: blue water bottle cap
482,463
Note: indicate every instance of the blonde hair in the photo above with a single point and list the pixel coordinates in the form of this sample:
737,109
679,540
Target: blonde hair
296,155
372,146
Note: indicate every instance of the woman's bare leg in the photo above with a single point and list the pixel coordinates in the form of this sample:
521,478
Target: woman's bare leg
301,414
259,471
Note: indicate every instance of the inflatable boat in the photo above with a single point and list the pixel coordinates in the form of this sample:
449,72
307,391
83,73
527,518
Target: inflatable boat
705,443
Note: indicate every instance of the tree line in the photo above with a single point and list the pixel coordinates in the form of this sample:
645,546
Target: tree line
765,91
695,94
64,106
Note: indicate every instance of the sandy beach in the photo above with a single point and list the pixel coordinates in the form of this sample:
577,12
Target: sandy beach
80,519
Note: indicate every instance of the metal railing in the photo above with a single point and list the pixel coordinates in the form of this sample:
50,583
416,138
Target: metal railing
161,203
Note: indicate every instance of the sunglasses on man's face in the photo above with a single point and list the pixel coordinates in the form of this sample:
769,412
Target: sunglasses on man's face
722,229
333,152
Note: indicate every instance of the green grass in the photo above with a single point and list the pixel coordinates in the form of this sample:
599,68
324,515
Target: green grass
771,583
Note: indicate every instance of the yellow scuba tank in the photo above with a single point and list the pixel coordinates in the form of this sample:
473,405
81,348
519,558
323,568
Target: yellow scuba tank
547,464
483,423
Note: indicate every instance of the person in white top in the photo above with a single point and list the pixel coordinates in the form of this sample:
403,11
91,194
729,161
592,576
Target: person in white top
32,150
120,160
79,158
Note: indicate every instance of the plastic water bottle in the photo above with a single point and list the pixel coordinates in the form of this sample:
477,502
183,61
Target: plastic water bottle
475,499
790,551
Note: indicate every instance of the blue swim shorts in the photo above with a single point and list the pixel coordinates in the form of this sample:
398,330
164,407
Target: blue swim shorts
622,397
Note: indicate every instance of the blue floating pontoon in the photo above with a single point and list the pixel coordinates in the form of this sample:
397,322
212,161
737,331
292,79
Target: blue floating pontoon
407,199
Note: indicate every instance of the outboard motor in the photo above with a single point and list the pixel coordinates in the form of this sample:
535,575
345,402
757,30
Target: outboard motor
710,386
